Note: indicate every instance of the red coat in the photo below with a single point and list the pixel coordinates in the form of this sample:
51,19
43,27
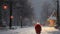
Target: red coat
38,28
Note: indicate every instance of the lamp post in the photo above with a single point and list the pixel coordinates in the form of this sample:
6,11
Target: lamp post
57,13
10,24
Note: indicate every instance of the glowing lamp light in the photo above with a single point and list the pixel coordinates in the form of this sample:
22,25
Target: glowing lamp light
5,7
11,17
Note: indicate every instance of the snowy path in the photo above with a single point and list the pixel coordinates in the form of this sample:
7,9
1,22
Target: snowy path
31,30
45,30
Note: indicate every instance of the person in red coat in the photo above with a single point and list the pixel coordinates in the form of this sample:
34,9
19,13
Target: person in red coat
38,28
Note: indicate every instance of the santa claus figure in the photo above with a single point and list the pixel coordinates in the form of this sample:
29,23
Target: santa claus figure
38,28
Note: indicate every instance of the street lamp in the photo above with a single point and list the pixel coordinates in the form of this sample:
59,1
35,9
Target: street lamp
58,13
10,24
5,7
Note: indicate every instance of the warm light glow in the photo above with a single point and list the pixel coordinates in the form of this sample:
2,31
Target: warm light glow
52,22
4,7
12,17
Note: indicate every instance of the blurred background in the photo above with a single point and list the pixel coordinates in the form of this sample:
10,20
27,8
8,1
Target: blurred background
28,12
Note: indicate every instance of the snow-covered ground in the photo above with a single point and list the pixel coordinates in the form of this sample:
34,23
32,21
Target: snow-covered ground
30,30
